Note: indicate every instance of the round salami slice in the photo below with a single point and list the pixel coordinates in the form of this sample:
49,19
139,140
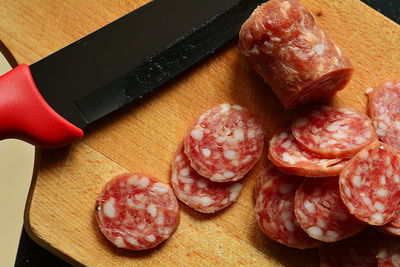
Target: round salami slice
333,132
321,212
370,184
274,212
285,153
384,110
224,143
292,54
388,252
137,212
267,173
200,193
393,227
359,250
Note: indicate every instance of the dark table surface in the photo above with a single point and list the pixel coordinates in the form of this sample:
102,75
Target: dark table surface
31,254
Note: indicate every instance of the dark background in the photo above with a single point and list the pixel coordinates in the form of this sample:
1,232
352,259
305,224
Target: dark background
31,254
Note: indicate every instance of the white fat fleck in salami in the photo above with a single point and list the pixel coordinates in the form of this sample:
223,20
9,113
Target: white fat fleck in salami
388,252
200,193
321,212
230,143
285,153
292,54
334,132
137,212
274,212
359,250
375,197
384,109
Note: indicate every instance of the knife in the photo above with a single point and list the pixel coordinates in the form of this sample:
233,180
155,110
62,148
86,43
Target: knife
49,102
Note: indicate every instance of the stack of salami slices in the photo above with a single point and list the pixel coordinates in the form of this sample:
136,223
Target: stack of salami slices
219,149
330,180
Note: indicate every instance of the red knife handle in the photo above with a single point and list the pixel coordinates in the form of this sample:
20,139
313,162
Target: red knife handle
25,115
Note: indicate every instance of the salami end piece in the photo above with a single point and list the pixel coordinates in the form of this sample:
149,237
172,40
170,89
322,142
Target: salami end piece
274,212
359,250
137,212
293,54
321,212
285,153
370,184
333,132
224,143
200,193
384,106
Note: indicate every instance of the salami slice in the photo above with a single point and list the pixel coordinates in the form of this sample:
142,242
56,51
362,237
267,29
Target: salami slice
389,252
393,227
292,54
333,132
274,212
200,193
267,173
136,212
285,153
370,184
224,143
359,250
321,212
384,110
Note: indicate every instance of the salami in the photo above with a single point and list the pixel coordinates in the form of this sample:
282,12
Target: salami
224,143
136,212
384,109
200,193
393,227
267,173
333,132
359,250
370,184
389,252
274,212
321,212
285,153
292,54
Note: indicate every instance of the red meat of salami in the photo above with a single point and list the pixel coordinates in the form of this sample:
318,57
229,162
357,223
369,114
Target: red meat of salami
292,54
266,174
321,212
333,132
384,109
137,212
388,252
224,143
393,227
285,153
359,250
370,184
200,193
274,212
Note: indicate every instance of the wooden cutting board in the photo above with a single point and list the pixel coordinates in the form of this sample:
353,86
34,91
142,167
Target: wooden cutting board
144,136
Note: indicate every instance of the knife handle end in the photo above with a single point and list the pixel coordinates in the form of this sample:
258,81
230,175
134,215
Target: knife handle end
25,115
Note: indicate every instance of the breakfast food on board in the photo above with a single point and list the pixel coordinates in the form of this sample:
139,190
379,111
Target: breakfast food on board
293,54
198,192
224,143
137,212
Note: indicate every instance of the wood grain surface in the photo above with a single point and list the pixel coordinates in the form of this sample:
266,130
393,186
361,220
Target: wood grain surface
144,136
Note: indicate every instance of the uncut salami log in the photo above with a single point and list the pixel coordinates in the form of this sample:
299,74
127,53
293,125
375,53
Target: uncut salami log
137,212
285,153
292,54
224,143
388,252
370,184
321,212
359,250
274,212
384,109
334,132
200,193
